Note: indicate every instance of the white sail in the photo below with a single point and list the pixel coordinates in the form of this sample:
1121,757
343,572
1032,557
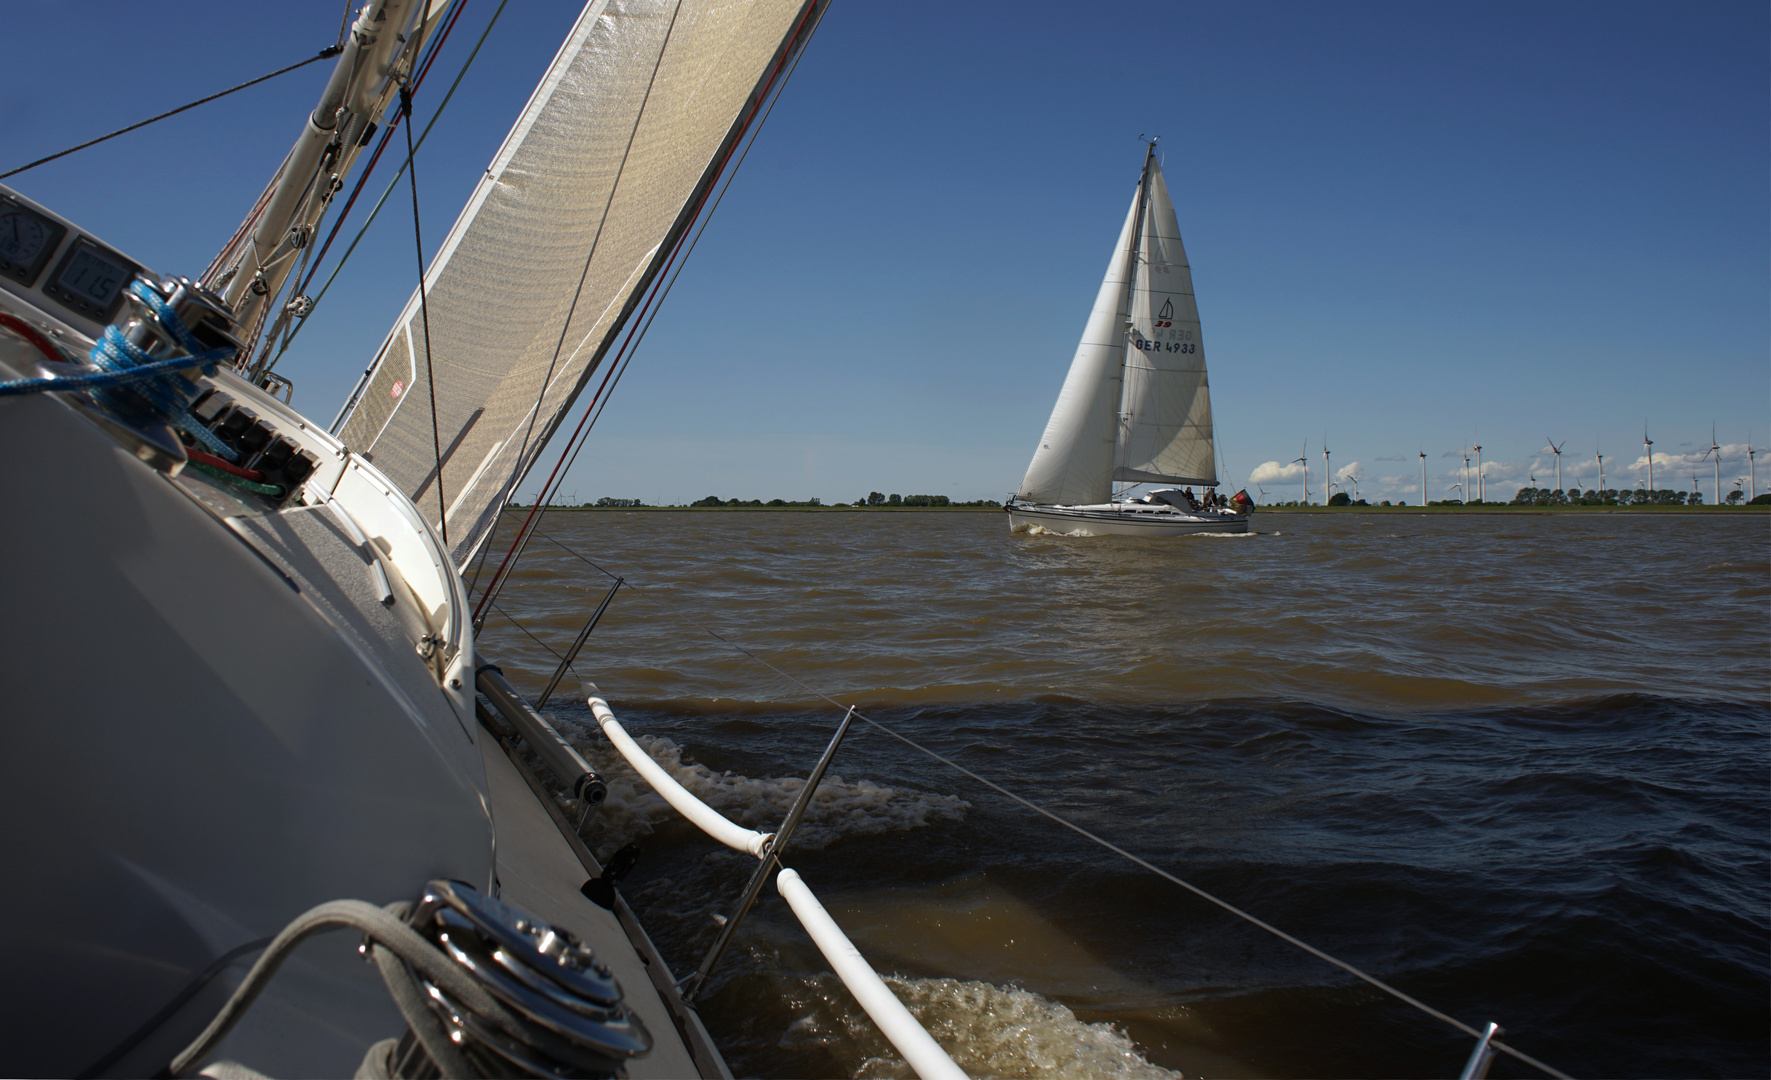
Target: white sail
1074,461
572,222
1134,407
1165,415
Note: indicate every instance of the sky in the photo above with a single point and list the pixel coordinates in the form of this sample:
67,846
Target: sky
1412,229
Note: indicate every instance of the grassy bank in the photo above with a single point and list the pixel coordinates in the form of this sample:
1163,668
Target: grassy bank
772,509
1507,508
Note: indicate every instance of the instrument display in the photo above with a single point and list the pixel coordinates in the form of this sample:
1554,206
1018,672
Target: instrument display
26,241
90,280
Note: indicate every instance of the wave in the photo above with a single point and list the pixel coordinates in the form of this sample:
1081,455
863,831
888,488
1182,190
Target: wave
989,1030
841,808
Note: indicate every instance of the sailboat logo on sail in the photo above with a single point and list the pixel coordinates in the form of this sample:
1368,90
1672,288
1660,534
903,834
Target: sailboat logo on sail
1167,313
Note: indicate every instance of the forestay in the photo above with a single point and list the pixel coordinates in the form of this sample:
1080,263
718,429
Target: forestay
1134,406
574,218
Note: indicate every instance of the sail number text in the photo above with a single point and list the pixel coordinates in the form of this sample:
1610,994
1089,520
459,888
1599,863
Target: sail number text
1166,346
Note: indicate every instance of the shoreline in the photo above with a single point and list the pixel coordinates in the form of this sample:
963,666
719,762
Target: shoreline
775,509
1504,508
1258,510
1689,511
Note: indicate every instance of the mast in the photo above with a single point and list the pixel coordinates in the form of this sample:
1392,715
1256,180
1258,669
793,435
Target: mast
378,55
1131,287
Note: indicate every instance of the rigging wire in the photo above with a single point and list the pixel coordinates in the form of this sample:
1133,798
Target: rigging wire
1408,999
292,321
590,256
344,23
775,84
323,54
289,320
694,240
512,619
424,314
338,223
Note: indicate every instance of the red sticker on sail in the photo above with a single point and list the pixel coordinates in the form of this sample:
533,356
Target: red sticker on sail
399,388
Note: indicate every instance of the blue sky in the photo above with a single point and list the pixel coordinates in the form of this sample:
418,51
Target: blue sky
1412,228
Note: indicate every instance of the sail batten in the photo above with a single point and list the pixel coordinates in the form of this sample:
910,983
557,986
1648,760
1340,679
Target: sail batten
576,216
1135,407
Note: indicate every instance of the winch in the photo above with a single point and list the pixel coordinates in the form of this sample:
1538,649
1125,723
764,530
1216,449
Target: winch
486,990
563,1014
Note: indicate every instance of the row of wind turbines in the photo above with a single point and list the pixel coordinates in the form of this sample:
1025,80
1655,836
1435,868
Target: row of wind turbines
1712,454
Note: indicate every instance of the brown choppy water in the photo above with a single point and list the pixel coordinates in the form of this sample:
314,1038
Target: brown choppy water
1516,765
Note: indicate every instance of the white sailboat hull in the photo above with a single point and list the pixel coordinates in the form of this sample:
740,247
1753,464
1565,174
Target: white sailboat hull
1123,520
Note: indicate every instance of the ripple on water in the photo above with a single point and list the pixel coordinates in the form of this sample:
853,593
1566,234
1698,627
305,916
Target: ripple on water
1471,755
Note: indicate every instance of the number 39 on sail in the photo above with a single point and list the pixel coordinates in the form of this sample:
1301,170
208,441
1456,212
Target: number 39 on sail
1135,408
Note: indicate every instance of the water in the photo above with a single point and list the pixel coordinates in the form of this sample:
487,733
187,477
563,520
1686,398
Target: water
1516,766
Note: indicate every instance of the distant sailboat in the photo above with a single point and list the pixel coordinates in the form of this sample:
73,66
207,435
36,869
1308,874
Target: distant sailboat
1135,407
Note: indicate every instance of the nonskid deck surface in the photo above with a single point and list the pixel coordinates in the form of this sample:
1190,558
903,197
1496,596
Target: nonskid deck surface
1113,520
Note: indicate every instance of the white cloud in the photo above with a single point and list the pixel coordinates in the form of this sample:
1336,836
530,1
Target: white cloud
1675,470
1349,469
1271,472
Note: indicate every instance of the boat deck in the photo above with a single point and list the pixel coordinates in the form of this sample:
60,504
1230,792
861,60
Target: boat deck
541,865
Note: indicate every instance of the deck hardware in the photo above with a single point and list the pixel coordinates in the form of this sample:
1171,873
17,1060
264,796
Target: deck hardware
573,772
771,858
1483,1055
572,653
600,890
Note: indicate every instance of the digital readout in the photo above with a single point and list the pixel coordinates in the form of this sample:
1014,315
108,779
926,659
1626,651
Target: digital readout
93,277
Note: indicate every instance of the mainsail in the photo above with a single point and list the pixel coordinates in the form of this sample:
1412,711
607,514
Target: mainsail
1134,407
575,217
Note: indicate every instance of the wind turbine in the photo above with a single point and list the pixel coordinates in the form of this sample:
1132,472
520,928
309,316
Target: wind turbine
1263,492
1355,478
1423,476
1557,450
1465,486
1326,471
1305,462
1601,458
1649,444
1716,451
1481,490
1750,469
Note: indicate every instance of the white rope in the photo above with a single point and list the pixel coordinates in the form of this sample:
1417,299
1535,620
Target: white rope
894,1021
704,817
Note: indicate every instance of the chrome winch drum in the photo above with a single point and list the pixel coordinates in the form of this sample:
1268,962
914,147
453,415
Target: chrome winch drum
565,1016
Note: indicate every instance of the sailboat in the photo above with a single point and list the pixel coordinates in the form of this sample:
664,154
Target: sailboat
1134,408
246,702
246,698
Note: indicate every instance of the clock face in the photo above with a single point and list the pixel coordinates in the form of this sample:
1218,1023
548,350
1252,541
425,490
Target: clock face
22,237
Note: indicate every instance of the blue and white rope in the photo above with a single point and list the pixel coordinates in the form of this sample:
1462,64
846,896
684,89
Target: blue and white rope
131,381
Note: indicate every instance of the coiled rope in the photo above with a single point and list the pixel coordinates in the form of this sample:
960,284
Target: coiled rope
1350,969
393,945
134,383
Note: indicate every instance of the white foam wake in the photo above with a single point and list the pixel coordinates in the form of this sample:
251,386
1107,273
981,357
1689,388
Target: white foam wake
989,1030
841,808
